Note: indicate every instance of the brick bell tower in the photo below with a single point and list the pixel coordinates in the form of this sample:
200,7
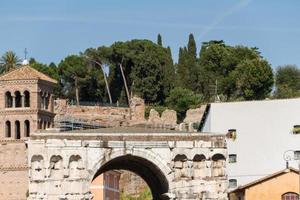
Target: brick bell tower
26,102
26,105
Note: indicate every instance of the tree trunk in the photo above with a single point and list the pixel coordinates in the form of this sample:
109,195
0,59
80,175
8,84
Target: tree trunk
76,91
126,88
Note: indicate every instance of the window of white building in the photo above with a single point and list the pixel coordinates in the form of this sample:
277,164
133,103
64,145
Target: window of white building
232,158
232,183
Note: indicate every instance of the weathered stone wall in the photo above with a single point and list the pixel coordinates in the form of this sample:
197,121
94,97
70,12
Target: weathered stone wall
194,115
13,170
103,115
176,166
131,184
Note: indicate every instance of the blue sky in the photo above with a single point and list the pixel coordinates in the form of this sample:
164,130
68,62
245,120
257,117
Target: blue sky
53,29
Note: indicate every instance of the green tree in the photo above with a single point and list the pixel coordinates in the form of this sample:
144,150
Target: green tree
50,70
181,99
218,62
191,48
287,79
159,40
9,61
182,70
73,71
144,195
191,63
148,69
254,79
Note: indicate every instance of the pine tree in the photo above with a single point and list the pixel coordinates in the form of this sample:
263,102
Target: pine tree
159,40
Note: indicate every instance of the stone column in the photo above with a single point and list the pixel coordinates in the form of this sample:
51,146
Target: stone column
13,101
51,103
44,102
23,100
22,129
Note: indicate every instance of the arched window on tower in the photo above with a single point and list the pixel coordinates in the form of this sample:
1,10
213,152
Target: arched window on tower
8,100
18,100
26,99
7,129
17,130
26,128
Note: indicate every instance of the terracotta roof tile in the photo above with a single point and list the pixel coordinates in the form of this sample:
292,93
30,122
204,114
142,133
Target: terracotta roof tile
27,73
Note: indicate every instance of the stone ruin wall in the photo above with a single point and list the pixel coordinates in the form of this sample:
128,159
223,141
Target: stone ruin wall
103,115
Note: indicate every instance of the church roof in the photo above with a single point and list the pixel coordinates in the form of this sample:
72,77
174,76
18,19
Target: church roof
25,73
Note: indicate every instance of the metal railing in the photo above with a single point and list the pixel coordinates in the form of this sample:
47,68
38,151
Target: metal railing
95,103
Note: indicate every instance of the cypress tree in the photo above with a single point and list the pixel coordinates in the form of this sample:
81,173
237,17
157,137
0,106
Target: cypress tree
159,40
192,63
169,73
182,68
192,49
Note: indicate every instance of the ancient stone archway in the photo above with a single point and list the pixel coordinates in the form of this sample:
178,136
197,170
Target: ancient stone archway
141,166
151,155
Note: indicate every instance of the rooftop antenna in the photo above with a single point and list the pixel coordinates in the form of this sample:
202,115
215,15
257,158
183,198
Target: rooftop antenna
25,53
25,61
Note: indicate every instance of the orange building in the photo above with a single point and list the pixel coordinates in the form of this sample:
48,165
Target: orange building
282,185
106,186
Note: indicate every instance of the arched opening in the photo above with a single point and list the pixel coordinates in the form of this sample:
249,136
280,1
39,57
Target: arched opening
290,196
17,130
75,166
56,167
218,165
48,124
37,167
8,100
40,124
44,125
147,170
199,167
18,100
26,128
26,99
7,129
180,167
47,100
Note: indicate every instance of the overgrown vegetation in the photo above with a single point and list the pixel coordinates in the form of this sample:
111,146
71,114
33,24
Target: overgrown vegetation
234,73
144,195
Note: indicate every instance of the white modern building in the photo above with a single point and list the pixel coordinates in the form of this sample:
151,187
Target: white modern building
264,132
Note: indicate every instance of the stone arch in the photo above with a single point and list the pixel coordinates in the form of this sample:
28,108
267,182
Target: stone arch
26,94
56,167
26,128
181,167
37,167
199,166
144,163
17,130
75,166
18,99
218,165
8,100
7,129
